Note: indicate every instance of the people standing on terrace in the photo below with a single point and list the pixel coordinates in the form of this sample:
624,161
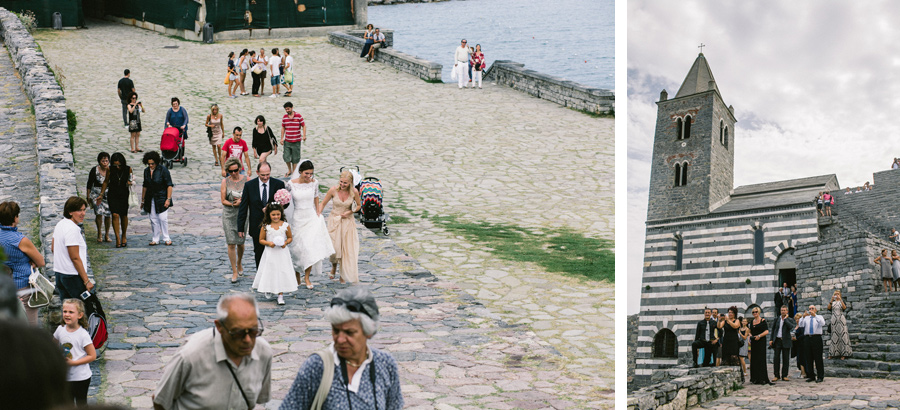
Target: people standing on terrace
461,64
819,204
477,65
896,163
887,277
895,268
827,201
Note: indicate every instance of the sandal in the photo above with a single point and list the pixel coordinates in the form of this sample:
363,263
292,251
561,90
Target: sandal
168,243
154,243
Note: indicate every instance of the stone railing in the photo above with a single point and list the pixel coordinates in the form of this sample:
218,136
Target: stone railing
54,155
563,92
406,63
685,388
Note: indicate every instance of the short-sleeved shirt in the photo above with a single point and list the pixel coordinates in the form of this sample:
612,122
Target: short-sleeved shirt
197,376
289,63
235,149
125,85
73,344
274,62
67,233
292,127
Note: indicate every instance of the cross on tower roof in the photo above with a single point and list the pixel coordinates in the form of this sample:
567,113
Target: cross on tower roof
701,47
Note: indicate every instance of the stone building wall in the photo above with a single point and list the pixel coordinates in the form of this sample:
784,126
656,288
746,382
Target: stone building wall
718,271
563,92
710,165
55,162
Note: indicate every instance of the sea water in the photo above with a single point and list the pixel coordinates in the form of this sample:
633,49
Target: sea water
571,39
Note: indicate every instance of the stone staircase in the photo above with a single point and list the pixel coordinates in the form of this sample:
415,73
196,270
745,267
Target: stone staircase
874,335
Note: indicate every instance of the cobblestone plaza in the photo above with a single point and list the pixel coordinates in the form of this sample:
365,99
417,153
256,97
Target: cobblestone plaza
468,329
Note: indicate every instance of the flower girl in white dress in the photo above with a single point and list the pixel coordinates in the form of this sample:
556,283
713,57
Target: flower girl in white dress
275,273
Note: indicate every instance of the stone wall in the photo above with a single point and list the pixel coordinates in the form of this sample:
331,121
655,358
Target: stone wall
685,387
561,91
632,336
406,63
55,162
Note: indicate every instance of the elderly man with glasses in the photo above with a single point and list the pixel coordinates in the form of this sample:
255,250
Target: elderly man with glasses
225,367
348,374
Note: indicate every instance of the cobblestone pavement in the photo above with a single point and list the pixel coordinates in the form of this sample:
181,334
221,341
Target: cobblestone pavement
492,155
18,155
832,393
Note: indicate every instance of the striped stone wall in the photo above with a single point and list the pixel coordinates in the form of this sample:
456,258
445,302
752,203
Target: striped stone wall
718,271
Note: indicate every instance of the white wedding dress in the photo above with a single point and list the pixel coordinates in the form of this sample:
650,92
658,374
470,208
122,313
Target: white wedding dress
311,243
275,274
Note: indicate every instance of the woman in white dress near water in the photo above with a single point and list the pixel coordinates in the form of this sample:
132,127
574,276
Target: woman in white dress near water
312,243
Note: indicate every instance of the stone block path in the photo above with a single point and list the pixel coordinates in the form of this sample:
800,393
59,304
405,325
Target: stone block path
469,330
18,155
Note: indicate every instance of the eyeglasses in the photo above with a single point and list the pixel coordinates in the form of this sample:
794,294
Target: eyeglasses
351,305
231,171
239,334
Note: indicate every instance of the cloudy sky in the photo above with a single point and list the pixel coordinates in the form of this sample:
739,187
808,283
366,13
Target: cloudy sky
815,87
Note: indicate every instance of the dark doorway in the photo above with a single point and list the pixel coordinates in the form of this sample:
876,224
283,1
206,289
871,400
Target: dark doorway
788,276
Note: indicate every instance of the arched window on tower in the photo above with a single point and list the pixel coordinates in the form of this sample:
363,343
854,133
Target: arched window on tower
687,127
665,344
722,132
725,137
759,244
681,173
679,251
679,128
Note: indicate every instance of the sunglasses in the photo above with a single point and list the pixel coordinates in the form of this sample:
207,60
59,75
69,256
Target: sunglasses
239,334
231,171
351,305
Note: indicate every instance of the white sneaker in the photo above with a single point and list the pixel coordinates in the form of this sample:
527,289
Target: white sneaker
273,96
268,295
280,299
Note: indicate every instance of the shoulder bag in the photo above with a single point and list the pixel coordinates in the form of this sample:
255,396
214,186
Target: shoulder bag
209,131
41,287
272,137
327,379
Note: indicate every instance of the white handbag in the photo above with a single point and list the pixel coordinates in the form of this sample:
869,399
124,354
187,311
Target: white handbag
42,289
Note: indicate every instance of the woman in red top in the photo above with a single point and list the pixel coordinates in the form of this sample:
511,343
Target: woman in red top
829,201
477,65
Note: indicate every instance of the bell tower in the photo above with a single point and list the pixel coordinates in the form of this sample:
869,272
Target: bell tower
692,169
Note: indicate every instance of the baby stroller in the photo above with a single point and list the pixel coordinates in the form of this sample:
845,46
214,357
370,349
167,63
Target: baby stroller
371,195
172,147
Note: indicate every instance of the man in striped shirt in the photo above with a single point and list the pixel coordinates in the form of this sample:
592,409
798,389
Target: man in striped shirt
293,132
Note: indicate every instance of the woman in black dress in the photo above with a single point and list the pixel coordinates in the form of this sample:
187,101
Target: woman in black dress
264,142
117,190
759,329
731,342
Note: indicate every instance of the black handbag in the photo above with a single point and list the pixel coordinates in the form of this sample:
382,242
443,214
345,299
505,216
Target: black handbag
272,137
208,130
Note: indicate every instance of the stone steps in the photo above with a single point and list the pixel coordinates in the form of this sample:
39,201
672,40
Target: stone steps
835,371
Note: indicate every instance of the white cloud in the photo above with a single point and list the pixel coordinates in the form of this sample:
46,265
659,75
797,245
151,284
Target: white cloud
815,86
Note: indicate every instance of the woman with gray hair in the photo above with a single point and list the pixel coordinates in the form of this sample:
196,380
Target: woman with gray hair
354,375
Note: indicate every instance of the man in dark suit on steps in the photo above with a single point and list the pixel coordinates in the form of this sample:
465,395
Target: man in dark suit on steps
258,192
781,342
705,338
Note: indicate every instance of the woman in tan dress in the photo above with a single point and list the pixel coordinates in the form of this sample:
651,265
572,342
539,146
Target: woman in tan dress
342,228
214,123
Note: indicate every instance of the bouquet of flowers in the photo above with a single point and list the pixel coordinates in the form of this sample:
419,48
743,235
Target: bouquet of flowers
278,241
283,197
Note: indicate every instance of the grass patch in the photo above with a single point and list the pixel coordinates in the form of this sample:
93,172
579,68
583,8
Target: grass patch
399,219
560,250
72,121
433,81
610,114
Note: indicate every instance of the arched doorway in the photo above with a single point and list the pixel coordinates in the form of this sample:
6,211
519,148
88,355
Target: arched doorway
786,268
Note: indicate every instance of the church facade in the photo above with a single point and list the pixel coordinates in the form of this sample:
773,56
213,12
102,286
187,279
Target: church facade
710,244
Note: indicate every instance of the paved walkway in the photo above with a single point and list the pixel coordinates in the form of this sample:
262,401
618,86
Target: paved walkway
833,393
18,155
537,340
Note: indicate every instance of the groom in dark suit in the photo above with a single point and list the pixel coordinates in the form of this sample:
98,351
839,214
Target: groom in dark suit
781,342
705,339
258,192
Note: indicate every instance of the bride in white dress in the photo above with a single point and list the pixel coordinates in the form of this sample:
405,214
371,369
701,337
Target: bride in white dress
312,243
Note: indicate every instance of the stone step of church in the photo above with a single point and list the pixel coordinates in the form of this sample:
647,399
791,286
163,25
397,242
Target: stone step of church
874,338
838,371
874,347
864,364
892,357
